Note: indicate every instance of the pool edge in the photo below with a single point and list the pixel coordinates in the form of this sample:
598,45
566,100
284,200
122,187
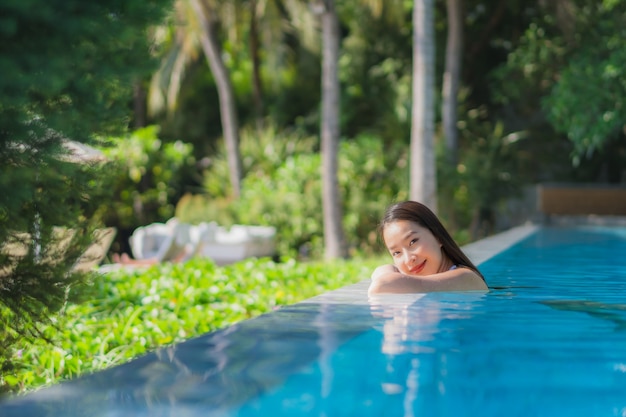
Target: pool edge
485,249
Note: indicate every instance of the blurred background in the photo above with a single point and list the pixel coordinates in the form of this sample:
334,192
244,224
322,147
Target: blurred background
307,116
537,98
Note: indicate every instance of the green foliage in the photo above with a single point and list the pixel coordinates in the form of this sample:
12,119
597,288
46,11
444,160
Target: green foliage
144,176
488,172
371,175
134,312
198,208
282,188
44,231
531,68
196,118
261,153
568,70
375,70
288,198
67,71
588,100
71,65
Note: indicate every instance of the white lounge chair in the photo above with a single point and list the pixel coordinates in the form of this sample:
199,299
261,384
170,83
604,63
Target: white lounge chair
228,245
162,242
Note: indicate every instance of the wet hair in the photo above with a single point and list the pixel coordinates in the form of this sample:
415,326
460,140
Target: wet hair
422,215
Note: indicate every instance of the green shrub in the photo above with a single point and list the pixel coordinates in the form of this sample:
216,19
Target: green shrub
144,176
197,208
489,171
290,200
282,188
261,153
371,176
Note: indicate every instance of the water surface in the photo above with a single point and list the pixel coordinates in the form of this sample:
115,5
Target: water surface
548,339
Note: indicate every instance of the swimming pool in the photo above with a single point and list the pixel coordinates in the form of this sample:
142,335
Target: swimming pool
548,339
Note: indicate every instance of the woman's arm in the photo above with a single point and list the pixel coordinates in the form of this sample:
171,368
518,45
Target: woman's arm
387,279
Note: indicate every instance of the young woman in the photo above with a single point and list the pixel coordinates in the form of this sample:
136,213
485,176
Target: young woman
425,257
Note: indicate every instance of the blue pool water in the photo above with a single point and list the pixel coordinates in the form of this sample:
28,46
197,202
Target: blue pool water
548,339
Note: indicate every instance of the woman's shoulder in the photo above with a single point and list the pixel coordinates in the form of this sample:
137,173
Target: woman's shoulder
469,269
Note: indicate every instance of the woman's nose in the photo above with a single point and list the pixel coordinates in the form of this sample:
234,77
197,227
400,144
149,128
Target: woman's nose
410,257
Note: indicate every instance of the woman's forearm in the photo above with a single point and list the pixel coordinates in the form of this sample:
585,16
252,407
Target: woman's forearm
388,280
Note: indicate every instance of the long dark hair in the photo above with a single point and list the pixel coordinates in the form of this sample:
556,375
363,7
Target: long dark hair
422,215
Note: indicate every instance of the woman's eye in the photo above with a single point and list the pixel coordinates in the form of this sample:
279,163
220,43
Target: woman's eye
412,242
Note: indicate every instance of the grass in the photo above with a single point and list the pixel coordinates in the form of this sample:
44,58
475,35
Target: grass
128,313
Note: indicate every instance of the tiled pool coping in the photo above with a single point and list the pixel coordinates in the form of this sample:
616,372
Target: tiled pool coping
478,252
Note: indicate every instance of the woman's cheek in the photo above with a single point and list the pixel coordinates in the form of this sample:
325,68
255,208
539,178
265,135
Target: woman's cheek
402,268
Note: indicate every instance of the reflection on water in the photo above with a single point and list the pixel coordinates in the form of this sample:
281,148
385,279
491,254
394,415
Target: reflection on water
390,368
398,327
415,367
209,374
328,342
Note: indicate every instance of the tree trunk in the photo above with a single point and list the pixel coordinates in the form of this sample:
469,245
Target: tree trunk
423,186
139,105
257,88
451,79
228,112
334,239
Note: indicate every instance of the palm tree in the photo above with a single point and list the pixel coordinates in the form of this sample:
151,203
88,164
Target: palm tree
228,112
423,180
334,237
451,78
267,24
257,85
261,23
195,29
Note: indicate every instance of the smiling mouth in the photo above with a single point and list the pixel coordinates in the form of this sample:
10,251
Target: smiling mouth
417,269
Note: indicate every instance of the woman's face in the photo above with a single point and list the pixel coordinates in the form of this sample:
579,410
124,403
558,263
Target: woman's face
414,249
